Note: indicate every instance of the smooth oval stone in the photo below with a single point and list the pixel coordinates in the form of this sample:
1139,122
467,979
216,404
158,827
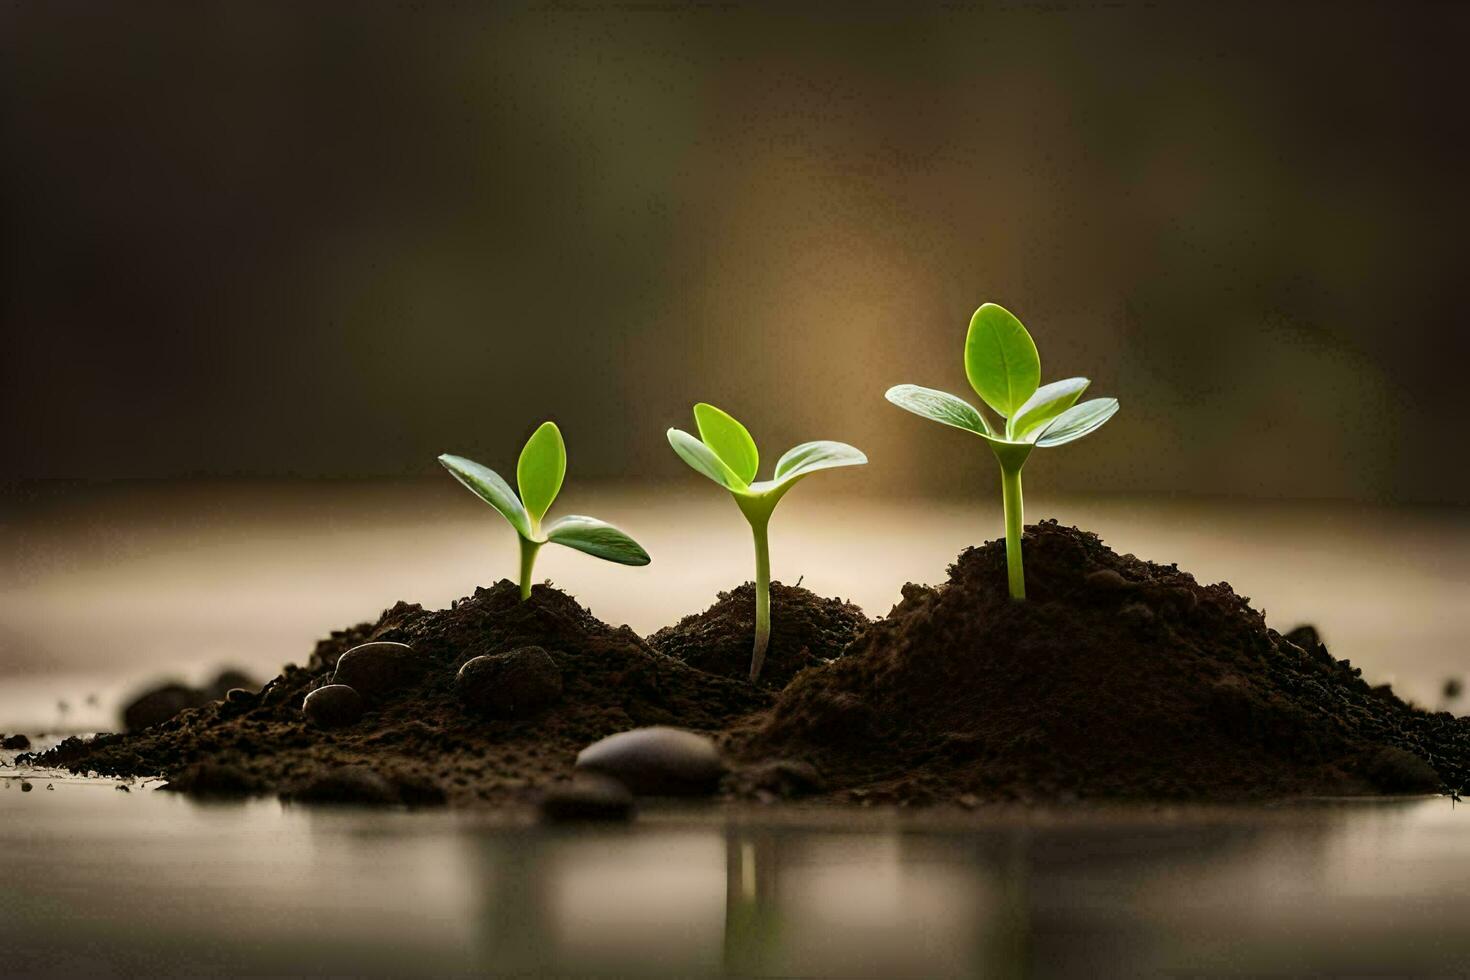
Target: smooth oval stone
588,796
333,706
517,683
378,670
657,761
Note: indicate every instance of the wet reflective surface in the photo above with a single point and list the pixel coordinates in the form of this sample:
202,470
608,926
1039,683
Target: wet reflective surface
99,882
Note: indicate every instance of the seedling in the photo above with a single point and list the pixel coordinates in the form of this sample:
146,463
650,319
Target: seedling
726,454
1005,371
539,474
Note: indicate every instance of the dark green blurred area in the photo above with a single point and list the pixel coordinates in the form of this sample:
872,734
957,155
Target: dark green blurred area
339,239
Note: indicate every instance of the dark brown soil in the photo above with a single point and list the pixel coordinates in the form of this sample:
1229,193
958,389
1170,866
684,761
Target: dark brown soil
422,746
1117,678
807,630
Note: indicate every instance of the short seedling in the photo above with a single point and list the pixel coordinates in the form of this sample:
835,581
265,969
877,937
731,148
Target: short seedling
1005,371
726,454
539,474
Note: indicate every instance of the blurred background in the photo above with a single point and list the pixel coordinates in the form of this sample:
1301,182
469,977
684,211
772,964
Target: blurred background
339,239
249,246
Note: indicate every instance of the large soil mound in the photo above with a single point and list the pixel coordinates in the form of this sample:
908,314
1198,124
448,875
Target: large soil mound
1116,678
421,745
807,630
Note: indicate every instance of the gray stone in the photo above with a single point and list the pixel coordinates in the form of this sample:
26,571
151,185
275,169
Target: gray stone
378,670
588,796
513,684
333,706
657,761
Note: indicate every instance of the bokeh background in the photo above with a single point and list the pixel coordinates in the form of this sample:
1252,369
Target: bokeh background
337,239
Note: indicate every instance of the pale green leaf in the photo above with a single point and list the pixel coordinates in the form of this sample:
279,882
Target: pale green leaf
729,439
1049,401
702,459
1001,360
1078,421
541,468
809,457
939,406
597,538
486,484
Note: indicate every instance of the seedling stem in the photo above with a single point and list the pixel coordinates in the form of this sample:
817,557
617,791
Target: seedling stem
528,562
1010,488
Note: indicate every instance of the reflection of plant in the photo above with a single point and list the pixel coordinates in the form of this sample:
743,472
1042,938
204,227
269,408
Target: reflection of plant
1005,371
539,474
726,454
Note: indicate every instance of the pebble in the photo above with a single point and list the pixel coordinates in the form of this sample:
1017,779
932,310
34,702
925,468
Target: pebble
587,797
239,695
378,670
228,679
333,706
25,787
657,761
16,742
517,683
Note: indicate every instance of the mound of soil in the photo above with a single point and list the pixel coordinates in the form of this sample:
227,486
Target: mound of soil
807,630
1116,678
420,744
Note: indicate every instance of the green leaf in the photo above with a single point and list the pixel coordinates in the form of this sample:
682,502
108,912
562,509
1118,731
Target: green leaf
809,457
1049,401
729,439
542,466
597,538
1078,421
1001,360
486,484
703,460
939,406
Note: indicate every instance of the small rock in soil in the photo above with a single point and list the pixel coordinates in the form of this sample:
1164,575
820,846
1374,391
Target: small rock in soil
16,743
220,687
588,796
158,705
1395,770
333,706
378,670
657,761
518,683
239,695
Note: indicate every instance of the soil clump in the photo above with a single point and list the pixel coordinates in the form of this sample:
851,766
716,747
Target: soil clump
417,743
807,630
1116,678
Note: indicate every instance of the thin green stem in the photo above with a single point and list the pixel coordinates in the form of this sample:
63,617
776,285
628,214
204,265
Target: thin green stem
762,598
528,562
1010,485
